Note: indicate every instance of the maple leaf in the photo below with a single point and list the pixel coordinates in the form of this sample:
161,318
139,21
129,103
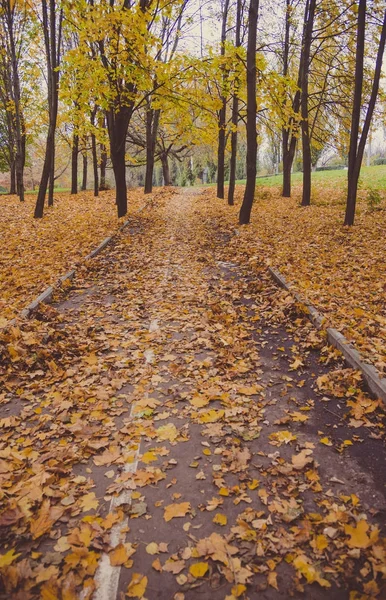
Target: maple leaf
176,510
358,535
8,558
309,571
137,586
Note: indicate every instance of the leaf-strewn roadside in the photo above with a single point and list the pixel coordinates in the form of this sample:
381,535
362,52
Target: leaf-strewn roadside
340,270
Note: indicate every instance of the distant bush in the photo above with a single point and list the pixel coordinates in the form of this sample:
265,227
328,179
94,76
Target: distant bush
380,161
331,168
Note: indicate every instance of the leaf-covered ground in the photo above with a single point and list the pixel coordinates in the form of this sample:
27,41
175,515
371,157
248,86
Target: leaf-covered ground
36,252
174,428
340,270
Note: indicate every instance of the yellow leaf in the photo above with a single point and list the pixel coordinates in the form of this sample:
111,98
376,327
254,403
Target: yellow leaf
89,502
320,542
281,437
152,548
167,432
119,555
211,416
296,364
272,580
199,401
8,558
238,590
198,569
358,535
220,519
176,510
326,441
252,485
224,491
137,586
309,572
149,457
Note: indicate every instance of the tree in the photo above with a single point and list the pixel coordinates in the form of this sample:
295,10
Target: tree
235,108
309,15
223,109
246,207
357,139
52,19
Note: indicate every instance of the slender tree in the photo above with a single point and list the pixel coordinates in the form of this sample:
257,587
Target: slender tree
309,16
52,19
222,112
235,111
357,140
246,207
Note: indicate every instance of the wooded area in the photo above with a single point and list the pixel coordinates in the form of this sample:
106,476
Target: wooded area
127,85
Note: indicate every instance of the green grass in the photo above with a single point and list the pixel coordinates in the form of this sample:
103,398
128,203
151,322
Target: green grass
371,177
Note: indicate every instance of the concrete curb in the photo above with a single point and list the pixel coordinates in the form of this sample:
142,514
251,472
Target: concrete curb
374,382
46,296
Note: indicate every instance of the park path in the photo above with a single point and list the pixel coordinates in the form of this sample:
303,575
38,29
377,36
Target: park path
180,445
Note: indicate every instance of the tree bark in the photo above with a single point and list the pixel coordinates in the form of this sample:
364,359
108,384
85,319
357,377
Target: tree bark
51,185
84,171
165,169
12,187
152,122
117,124
74,163
103,165
306,145
246,207
222,113
52,41
289,132
94,154
235,115
16,97
356,150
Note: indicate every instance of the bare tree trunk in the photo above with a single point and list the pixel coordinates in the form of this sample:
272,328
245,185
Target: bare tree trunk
289,132
74,163
223,110
103,165
94,154
357,148
165,169
306,145
117,125
12,188
235,115
152,122
52,41
84,171
51,186
246,207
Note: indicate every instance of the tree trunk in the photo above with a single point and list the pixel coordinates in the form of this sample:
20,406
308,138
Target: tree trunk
51,186
117,124
165,169
306,145
235,115
52,41
74,164
246,207
222,113
289,132
356,150
12,188
84,172
152,123
94,153
103,164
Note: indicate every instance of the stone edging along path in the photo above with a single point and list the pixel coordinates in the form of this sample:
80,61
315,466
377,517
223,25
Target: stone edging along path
46,296
375,383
